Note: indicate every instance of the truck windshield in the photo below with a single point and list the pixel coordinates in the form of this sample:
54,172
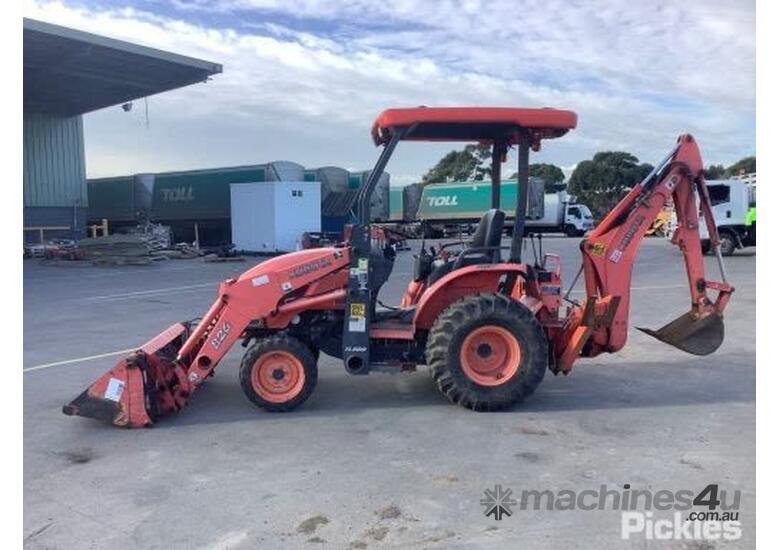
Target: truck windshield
719,194
586,212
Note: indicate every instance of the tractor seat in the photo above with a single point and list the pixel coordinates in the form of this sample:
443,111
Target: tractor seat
488,234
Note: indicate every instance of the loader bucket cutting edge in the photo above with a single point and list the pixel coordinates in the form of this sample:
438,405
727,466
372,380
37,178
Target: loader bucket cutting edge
699,336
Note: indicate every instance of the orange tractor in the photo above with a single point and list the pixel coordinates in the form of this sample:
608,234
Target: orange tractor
487,324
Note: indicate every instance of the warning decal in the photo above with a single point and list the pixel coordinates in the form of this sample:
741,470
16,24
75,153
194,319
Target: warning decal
114,390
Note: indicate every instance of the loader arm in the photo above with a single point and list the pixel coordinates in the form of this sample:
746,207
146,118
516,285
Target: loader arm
159,378
600,324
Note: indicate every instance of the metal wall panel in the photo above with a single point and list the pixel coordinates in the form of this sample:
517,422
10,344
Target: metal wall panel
54,167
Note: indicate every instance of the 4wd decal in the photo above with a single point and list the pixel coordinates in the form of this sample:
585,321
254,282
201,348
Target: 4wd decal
304,269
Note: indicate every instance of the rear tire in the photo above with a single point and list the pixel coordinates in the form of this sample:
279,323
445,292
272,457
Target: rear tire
278,373
476,334
728,244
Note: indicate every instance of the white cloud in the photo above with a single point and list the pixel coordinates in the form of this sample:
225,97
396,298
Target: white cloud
637,73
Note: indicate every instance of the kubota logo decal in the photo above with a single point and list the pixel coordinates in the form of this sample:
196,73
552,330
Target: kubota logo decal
220,335
451,200
302,270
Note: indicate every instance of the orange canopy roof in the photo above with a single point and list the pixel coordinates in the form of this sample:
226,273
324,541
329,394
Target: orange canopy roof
472,123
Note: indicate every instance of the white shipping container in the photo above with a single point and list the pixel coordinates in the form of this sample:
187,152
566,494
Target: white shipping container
272,216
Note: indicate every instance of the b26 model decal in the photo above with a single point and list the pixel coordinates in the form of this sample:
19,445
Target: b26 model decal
220,335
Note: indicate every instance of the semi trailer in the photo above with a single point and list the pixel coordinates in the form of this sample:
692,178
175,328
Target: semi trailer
444,208
196,203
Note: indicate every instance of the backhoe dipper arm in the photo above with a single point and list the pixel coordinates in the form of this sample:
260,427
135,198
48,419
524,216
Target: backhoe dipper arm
608,253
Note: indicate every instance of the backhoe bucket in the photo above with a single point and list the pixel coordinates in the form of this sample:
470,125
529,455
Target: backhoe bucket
695,334
141,387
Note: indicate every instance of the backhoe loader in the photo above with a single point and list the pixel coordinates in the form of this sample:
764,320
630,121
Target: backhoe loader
487,324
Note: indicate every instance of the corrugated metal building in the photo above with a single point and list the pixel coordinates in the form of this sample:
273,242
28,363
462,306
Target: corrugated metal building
68,73
54,171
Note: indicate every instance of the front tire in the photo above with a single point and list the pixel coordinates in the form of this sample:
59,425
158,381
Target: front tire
571,231
278,373
486,352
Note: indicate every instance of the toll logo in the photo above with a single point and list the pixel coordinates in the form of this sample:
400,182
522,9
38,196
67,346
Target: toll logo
450,200
178,194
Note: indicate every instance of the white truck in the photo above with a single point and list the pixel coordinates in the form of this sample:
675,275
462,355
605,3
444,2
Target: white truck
562,215
734,208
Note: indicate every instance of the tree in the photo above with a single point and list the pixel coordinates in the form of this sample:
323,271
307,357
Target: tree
715,172
601,182
472,163
552,175
746,165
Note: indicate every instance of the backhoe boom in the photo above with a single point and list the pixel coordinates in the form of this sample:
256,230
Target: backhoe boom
608,255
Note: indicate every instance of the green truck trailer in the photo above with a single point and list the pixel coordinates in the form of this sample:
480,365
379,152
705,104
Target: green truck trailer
196,203
123,200
453,206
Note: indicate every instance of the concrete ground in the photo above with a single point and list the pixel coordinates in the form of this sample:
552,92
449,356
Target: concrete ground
380,461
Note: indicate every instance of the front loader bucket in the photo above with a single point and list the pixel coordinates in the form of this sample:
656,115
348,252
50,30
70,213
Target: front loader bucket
141,387
118,397
694,334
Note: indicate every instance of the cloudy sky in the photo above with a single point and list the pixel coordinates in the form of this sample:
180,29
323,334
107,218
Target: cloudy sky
303,79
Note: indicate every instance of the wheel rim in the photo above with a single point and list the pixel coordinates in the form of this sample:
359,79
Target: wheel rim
490,355
278,376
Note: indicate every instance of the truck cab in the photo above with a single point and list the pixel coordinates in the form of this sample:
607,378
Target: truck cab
578,220
732,203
